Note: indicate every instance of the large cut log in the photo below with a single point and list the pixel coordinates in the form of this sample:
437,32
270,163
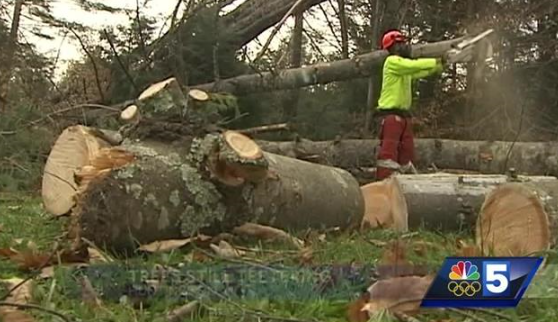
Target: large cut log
322,73
487,157
440,201
518,219
143,191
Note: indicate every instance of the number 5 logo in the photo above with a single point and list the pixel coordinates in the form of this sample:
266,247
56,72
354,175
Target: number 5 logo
496,278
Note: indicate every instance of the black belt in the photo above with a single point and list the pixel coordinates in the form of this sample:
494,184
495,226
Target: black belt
392,111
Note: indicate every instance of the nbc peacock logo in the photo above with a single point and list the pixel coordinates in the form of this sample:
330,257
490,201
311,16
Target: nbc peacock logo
461,274
464,271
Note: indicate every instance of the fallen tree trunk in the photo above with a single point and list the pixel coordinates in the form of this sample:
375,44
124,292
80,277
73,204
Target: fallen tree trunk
518,219
144,191
322,73
440,201
486,157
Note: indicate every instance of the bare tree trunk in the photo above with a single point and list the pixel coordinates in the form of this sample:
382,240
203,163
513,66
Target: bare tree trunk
11,50
344,29
290,103
374,83
323,73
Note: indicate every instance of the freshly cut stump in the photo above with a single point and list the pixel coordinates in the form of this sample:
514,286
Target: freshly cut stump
73,150
385,206
517,219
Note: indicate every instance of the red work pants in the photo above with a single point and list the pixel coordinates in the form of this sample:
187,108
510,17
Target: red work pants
396,143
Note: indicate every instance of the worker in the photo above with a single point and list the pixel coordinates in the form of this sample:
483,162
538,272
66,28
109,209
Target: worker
396,133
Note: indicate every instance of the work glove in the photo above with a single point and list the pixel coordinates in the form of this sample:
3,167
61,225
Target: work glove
453,56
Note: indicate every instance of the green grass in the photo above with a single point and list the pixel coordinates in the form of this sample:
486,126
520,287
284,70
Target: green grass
23,221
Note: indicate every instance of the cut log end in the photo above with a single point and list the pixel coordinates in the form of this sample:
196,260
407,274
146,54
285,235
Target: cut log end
73,150
156,88
198,95
130,114
385,206
238,160
513,222
242,145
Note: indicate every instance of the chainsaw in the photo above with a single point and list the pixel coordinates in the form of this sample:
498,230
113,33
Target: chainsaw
464,50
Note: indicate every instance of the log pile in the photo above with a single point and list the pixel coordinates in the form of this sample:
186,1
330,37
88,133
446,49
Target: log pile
511,216
136,186
124,195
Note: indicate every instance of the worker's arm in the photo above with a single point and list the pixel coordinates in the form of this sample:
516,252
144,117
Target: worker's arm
425,73
402,66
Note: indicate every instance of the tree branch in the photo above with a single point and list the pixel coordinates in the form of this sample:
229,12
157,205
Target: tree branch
95,69
120,63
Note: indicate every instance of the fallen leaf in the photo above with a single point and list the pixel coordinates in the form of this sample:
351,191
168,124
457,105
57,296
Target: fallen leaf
18,241
355,312
8,252
29,260
185,312
223,236
96,257
165,245
400,294
225,250
267,233
21,295
200,257
306,255
13,315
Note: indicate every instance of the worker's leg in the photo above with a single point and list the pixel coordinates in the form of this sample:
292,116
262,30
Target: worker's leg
407,148
390,134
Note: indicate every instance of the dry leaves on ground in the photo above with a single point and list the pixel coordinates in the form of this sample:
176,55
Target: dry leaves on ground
400,294
226,250
267,233
21,295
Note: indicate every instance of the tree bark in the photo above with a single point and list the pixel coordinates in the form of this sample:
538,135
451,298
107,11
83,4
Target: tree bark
253,17
323,73
10,50
166,191
489,157
290,103
344,29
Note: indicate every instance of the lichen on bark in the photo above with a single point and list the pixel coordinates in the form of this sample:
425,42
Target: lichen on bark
206,208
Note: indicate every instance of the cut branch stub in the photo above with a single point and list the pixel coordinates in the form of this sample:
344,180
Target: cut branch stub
517,219
163,100
198,95
130,115
238,159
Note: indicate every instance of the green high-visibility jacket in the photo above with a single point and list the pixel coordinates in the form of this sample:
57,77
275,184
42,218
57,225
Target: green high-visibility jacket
398,74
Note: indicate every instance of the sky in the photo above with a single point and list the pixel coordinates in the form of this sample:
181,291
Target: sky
67,48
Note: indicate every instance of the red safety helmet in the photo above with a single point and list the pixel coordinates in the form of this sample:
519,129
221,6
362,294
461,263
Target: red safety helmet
391,38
